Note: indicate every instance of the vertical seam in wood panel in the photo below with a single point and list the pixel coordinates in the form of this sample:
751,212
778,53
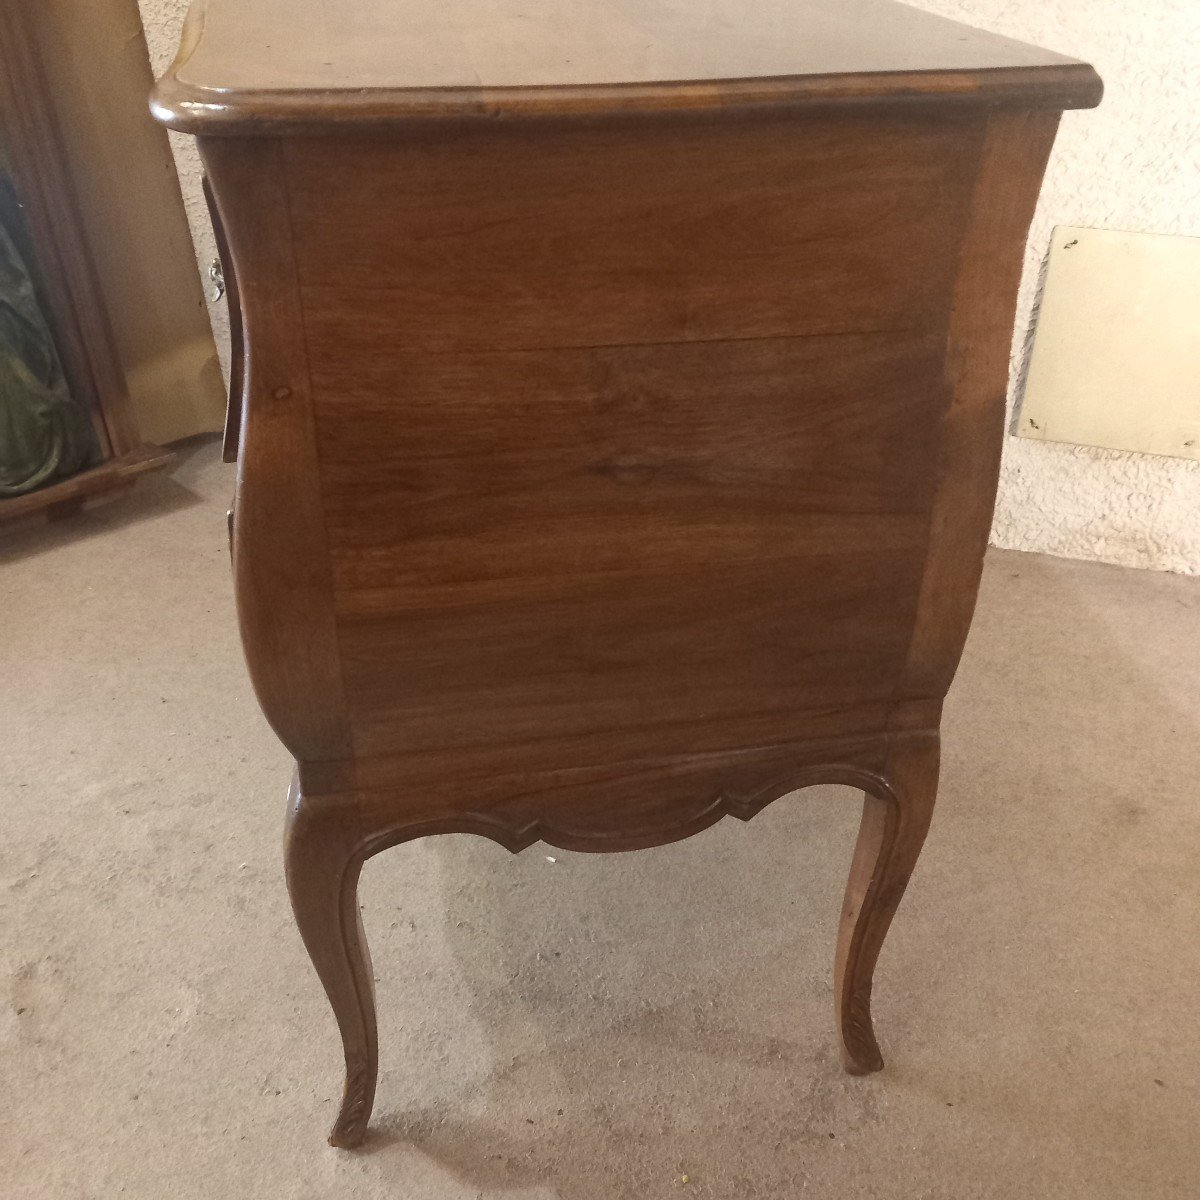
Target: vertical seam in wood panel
1014,152
967,205
286,184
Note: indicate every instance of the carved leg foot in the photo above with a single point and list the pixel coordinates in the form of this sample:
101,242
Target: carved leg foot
323,866
890,838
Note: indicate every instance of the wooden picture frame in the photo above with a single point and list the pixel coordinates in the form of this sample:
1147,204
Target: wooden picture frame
67,277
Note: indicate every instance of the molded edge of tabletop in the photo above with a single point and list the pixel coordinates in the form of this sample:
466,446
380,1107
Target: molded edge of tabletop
194,109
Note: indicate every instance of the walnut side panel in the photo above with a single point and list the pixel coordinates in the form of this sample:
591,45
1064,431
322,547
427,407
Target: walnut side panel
476,556
559,552
624,435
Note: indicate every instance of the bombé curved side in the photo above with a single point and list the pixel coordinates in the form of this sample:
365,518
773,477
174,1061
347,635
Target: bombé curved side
281,562
1012,161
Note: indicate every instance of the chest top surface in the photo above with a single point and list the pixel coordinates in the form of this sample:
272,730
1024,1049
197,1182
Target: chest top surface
413,56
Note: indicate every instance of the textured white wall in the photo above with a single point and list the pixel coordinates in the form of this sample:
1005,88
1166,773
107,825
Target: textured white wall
163,20
1133,164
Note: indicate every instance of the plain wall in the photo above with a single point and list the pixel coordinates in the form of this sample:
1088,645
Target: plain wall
1133,164
163,21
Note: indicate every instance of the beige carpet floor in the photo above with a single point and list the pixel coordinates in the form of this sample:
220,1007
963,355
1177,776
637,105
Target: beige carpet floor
589,1028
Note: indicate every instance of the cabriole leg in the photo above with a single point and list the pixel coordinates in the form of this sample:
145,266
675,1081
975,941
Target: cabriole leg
324,861
890,838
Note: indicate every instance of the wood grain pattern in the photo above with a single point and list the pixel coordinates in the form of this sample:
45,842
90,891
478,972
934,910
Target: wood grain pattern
983,307
774,229
696,488
598,481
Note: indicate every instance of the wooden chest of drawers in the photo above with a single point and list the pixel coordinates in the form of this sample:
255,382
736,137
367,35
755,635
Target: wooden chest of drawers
618,416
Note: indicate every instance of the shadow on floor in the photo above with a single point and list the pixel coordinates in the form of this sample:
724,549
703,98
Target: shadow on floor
151,496
668,1013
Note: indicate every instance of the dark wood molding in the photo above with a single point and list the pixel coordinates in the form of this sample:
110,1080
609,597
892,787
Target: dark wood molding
1033,80
266,114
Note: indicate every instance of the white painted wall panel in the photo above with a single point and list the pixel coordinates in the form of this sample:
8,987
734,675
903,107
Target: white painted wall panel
1116,354
163,20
